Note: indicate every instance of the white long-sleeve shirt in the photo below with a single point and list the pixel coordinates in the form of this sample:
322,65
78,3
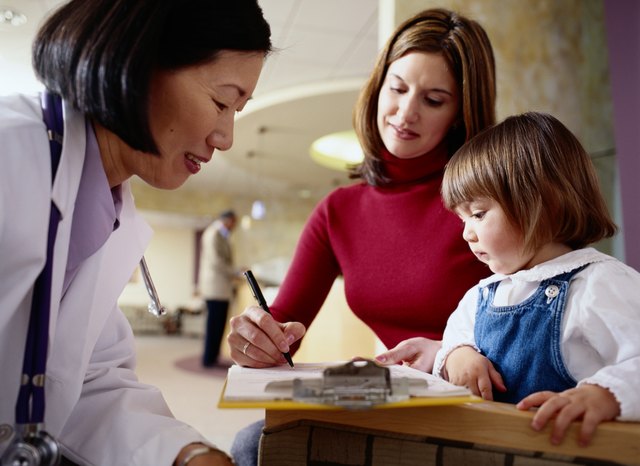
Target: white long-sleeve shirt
600,339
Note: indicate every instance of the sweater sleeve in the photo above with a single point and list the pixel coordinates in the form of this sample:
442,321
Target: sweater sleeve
311,274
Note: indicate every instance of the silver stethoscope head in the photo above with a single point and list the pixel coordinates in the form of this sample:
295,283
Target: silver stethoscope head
154,306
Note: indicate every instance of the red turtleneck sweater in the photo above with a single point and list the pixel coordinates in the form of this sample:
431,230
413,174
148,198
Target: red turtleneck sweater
401,253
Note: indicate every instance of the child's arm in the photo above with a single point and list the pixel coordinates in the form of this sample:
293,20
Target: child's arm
601,329
465,366
459,361
592,403
459,330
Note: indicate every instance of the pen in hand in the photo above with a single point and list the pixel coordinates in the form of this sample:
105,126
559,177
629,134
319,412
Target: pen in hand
257,293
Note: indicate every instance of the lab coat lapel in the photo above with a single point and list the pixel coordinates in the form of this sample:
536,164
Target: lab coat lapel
122,252
90,299
63,195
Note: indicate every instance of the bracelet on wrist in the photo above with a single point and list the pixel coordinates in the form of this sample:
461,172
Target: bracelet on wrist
203,450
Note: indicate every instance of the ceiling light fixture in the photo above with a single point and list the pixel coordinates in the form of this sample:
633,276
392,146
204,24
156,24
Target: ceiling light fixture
258,210
11,17
338,151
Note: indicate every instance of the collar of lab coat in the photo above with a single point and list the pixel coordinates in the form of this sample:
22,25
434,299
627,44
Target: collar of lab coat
130,239
65,186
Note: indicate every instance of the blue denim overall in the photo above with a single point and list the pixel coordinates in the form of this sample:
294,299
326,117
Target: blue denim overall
523,341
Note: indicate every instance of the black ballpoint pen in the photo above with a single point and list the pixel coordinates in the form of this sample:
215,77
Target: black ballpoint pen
257,293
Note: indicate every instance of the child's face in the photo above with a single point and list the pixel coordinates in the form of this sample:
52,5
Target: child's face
492,238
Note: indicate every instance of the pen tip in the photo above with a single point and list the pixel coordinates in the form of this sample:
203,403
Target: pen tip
288,358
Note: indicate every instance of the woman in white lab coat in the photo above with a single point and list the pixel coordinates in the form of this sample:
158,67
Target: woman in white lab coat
149,89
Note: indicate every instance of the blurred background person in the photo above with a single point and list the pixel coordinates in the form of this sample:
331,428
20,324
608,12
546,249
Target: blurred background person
216,281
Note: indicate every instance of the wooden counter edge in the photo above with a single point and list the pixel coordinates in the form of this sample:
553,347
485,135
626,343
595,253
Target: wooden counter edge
487,423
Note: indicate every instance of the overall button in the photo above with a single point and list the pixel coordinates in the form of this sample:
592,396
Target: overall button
551,292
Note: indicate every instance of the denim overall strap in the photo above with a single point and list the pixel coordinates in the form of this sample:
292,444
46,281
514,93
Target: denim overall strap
523,341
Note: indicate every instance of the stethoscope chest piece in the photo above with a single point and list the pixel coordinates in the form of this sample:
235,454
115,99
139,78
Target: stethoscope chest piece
32,449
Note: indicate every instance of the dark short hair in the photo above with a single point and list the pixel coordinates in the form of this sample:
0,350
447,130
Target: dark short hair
227,214
539,174
465,46
100,55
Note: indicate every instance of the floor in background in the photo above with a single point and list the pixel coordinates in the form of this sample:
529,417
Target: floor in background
171,364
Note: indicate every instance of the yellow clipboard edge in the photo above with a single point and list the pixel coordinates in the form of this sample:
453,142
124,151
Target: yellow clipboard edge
266,404
291,404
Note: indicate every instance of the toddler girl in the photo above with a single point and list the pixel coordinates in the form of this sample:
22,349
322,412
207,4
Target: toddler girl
557,325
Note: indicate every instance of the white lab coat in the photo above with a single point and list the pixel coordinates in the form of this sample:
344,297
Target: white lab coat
95,405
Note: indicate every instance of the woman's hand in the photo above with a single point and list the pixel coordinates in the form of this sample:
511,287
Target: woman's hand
591,403
468,368
417,352
257,340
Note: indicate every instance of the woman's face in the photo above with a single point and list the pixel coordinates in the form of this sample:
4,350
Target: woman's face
191,114
417,104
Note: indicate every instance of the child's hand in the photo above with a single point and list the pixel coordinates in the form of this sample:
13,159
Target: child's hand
592,403
466,367
417,352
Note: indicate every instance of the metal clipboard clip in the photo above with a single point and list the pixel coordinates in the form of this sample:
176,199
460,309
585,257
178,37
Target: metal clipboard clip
354,385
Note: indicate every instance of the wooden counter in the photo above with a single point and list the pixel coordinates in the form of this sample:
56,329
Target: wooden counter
486,423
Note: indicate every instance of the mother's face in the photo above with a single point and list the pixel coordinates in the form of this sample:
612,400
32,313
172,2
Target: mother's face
191,114
417,104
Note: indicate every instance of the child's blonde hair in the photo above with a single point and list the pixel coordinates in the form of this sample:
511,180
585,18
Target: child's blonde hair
541,176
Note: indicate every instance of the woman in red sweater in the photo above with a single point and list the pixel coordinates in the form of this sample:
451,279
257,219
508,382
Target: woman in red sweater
401,253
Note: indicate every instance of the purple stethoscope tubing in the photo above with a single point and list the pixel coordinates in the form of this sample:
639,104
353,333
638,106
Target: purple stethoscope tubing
30,404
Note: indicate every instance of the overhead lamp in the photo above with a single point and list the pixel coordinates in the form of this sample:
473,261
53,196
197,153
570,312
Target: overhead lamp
339,151
11,17
245,222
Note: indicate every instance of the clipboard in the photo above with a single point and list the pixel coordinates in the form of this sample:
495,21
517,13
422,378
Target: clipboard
354,385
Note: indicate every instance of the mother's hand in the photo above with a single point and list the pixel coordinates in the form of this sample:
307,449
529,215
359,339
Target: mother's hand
417,352
257,340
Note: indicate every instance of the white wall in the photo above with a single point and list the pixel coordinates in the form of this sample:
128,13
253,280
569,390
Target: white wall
170,258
